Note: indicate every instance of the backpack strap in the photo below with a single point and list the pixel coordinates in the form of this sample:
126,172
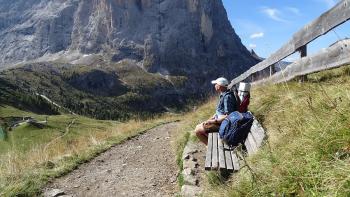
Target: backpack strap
226,93
235,94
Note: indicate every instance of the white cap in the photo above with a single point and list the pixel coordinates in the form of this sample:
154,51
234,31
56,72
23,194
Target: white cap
220,81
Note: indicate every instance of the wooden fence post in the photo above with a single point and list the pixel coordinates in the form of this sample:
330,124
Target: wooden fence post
303,53
272,69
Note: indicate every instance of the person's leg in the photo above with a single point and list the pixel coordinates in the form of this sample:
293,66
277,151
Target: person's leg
201,133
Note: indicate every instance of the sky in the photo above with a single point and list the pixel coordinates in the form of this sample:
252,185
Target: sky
265,25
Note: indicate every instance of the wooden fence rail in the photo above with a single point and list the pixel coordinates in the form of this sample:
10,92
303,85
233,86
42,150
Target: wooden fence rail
337,15
335,56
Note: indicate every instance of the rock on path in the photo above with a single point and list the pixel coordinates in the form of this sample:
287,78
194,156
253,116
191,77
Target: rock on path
142,166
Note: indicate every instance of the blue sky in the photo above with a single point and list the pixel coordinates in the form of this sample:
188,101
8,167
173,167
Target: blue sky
265,25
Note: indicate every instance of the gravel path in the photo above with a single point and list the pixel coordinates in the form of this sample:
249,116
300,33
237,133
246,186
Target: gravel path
142,166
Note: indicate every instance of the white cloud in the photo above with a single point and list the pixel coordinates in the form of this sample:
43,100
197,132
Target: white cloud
257,35
252,46
294,10
273,13
247,26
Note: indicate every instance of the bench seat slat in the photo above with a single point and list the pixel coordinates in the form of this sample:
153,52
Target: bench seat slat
208,156
222,161
248,146
258,133
215,156
252,143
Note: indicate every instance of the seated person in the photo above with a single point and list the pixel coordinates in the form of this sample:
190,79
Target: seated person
226,105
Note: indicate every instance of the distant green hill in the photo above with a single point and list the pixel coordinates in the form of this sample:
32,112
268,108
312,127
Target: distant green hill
109,93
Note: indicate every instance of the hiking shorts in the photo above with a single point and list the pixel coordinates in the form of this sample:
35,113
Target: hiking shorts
211,127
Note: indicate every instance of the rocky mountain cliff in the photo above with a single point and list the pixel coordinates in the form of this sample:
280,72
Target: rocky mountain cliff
189,39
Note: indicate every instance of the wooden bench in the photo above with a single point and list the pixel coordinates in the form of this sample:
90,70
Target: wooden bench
221,157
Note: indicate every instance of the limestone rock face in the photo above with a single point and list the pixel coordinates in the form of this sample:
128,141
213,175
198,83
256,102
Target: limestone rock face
191,38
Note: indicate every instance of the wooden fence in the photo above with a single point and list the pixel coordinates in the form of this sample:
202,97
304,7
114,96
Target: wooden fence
334,17
335,56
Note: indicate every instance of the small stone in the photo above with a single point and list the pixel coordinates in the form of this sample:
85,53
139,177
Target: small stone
189,164
173,179
194,159
190,191
159,194
187,157
191,180
187,171
76,186
196,165
109,171
54,193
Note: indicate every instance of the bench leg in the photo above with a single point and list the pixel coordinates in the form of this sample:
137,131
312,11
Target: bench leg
225,174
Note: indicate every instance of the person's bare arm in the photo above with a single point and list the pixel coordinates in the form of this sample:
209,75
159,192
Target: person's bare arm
221,118
217,120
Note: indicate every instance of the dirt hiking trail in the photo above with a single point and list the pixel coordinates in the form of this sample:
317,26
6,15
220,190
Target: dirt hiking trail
142,166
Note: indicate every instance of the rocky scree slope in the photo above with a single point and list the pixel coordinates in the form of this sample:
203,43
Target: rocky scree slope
191,40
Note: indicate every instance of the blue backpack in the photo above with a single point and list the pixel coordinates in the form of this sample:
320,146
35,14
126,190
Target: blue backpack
235,128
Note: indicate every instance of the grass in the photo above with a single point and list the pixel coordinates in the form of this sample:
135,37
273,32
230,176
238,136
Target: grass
32,156
308,150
